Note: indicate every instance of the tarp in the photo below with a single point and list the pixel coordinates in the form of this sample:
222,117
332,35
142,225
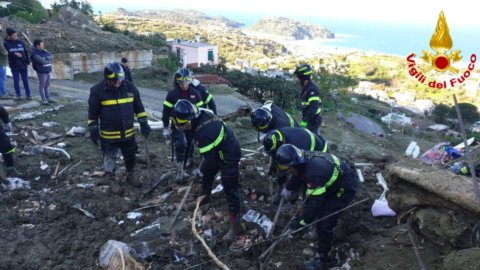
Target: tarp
434,155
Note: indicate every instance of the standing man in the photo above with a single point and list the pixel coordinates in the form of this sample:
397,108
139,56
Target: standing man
330,185
18,60
220,151
3,70
6,147
270,116
311,102
115,102
126,69
182,89
42,64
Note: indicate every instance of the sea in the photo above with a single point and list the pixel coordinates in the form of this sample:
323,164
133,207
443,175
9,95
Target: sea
390,38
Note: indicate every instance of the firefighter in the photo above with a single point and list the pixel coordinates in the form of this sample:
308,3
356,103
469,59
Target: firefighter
6,147
220,151
112,106
301,138
311,102
183,89
330,185
270,116
207,98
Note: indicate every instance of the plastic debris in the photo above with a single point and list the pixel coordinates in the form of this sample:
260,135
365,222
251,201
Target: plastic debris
49,124
17,183
76,130
134,215
79,207
108,250
262,220
217,189
44,166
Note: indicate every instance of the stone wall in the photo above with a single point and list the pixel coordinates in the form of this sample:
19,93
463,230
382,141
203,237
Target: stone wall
65,65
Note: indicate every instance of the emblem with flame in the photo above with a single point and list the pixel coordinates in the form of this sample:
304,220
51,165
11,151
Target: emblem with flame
441,43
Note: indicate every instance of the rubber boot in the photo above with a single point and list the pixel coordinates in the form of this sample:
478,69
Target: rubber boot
316,263
114,186
182,176
235,228
132,180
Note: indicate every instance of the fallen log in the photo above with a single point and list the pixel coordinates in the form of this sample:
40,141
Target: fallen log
456,189
194,231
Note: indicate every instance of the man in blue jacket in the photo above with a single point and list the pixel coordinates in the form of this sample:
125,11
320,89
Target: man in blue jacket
18,60
42,64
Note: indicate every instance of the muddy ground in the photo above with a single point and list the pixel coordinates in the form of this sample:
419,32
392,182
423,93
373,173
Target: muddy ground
40,228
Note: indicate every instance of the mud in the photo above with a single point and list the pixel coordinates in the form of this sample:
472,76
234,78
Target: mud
40,228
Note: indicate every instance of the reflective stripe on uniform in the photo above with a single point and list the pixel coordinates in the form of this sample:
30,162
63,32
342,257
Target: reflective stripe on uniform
142,114
168,104
12,150
217,141
319,110
312,140
117,101
90,121
290,118
208,99
199,104
313,99
325,147
320,190
116,134
274,140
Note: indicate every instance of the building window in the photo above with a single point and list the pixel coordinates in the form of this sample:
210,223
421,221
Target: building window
210,55
179,53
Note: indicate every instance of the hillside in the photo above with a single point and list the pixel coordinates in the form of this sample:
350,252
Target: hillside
232,42
291,28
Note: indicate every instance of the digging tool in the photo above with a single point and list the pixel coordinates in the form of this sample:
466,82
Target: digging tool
184,199
277,215
153,185
149,167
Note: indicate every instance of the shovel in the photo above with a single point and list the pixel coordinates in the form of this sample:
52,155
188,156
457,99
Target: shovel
149,167
277,215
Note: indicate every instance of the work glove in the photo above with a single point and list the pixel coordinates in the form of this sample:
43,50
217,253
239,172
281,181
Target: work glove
288,195
296,224
303,124
167,134
7,127
145,128
94,134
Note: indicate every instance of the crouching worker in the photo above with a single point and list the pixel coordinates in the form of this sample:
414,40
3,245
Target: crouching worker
115,102
220,151
6,147
330,185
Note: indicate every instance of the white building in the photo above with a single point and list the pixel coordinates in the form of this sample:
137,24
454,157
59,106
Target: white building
5,4
194,54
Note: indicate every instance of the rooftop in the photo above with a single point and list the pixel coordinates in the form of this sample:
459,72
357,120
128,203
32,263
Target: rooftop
190,43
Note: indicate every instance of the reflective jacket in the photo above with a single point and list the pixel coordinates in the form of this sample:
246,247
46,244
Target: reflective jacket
280,118
310,102
213,138
207,98
14,46
323,176
116,109
174,95
41,61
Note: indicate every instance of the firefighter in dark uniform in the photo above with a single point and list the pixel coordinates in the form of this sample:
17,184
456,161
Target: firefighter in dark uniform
112,107
220,151
311,102
330,184
6,147
183,89
207,98
301,138
270,116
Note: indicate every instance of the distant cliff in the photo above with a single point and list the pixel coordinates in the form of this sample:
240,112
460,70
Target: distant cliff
291,28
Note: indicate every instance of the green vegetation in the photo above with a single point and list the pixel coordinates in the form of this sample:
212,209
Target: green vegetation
83,6
284,93
29,10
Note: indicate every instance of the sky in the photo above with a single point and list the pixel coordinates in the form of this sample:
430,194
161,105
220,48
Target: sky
457,12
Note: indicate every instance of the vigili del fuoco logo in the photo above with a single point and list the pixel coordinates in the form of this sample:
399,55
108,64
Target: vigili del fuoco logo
442,60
